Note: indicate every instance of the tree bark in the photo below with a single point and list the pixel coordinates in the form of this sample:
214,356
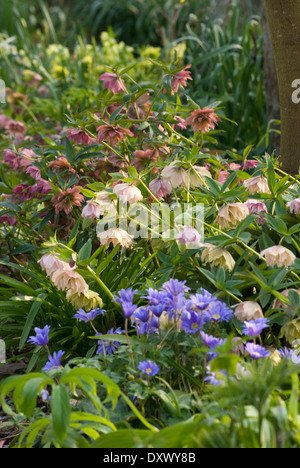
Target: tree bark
284,23
270,81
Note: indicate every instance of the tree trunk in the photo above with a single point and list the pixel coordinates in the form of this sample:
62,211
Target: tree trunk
284,22
270,81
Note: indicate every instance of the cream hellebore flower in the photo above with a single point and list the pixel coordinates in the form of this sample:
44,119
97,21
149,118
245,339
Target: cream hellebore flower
115,236
232,214
278,255
65,278
128,193
248,310
103,201
217,256
69,280
277,304
291,330
86,300
176,175
257,184
196,180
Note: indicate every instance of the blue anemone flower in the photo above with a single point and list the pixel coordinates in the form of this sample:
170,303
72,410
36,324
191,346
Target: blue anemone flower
42,336
148,367
54,361
109,347
83,316
255,327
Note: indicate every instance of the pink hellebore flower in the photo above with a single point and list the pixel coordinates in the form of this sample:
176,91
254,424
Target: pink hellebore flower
91,210
24,192
180,79
202,119
10,220
160,187
257,207
65,200
113,82
80,137
189,236
112,134
294,206
141,159
11,159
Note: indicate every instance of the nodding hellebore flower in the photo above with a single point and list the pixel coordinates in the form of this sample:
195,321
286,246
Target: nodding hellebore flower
42,336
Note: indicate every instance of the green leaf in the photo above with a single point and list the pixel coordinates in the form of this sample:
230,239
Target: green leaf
85,251
61,410
30,318
123,438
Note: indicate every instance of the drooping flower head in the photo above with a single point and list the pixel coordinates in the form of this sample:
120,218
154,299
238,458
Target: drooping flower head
66,199
112,134
128,193
115,236
203,120
248,310
160,187
80,137
232,214
113,82
294,206
190,237
180,79
258,184
278,255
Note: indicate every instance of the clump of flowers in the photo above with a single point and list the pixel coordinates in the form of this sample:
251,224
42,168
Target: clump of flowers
66,278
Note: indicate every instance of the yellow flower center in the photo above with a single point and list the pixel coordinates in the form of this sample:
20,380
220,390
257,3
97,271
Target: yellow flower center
216,316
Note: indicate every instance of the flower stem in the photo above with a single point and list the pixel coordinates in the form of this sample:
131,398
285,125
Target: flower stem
100,282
